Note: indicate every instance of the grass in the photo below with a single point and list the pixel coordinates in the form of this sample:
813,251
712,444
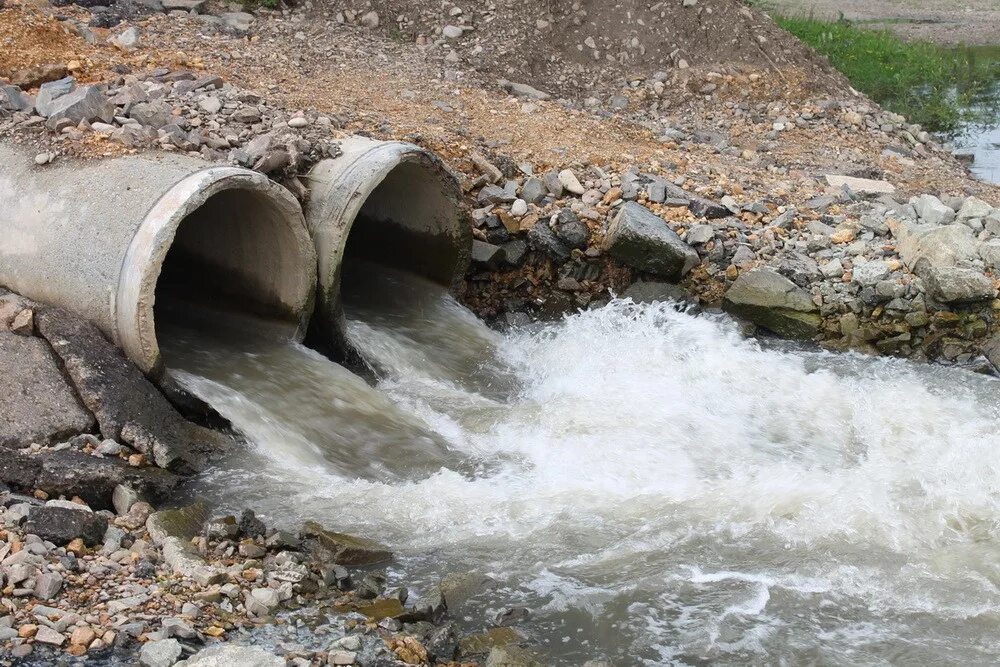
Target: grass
941,89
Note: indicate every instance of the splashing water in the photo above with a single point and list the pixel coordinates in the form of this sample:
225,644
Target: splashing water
655,489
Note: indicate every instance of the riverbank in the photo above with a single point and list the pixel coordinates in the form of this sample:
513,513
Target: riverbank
944,22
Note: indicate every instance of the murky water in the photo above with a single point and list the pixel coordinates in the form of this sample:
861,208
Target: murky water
982,137
651,487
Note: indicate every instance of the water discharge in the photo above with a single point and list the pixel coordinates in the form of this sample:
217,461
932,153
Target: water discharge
652,487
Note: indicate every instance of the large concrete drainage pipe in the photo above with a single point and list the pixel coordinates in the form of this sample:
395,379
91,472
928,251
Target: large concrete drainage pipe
115,239
387,202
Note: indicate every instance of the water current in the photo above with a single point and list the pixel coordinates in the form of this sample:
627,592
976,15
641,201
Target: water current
652,487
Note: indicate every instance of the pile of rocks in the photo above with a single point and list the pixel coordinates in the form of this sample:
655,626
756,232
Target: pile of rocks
178,110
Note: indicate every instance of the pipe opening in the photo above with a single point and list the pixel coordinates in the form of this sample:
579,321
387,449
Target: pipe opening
222,254
409,228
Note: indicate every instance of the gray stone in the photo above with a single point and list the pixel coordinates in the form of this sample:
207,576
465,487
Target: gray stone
494,194
61,525
924,246
514,251
524,90
643,241
542,238
50,92
128,407
227,655
87,103
239,22
36,402
869,273
570,182
152,114
127,603
973,207
571,229
774,302
932,211
13,98
534,190
652,292
698,234
47,635
957,285
48,585
162,653
183,5
552,182
486,254
123,498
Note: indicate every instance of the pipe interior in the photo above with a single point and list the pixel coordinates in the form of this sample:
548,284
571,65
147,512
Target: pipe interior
235,255
410,223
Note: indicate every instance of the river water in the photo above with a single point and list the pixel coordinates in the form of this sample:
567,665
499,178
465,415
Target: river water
650,486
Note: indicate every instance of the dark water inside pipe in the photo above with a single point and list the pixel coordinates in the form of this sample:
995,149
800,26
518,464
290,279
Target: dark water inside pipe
639,484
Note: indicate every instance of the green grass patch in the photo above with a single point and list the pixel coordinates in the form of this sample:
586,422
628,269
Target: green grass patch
941,89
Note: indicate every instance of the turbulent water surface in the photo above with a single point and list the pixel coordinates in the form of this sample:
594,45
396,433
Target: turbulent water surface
650,486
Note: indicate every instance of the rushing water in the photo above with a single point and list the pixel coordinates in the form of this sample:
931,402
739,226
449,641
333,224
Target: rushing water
652,487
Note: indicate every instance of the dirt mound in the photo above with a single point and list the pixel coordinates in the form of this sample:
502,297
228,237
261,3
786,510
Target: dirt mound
573,47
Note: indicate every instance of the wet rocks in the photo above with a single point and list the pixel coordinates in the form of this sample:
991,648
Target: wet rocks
61,525
772,301
127,406
643,241
37,405
344,549
570,229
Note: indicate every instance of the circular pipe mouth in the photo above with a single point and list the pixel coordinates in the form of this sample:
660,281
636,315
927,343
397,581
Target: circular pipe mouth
228,238
389,203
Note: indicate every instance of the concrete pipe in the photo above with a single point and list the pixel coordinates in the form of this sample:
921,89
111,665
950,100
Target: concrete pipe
387,202
114,239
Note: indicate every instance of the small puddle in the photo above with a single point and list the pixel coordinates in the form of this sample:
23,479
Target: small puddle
981,137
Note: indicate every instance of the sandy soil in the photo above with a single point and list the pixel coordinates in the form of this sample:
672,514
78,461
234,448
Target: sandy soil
949,22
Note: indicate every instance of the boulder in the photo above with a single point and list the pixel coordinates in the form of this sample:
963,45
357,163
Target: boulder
227,655
953,284
172,531
161,653
128,407
571,229
534,190
71,473
13,99
50,92
542,238
344,549
36,402
62,525
932,211
924,247
973,207
774,302
486,254
87,103
643,241
151,114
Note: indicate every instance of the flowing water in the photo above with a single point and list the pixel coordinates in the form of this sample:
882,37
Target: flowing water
652,487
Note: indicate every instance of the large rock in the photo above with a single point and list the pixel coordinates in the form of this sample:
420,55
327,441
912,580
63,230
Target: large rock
127,406
50,92
13,99
73,473
61,525
974,207
923,247
227,655
865,186
643,241
89,103
172,530
161,653
952,284
932,211
344,549
774,302
36,402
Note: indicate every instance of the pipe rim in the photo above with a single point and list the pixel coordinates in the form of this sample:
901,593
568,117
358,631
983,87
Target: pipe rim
133,304
366,171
